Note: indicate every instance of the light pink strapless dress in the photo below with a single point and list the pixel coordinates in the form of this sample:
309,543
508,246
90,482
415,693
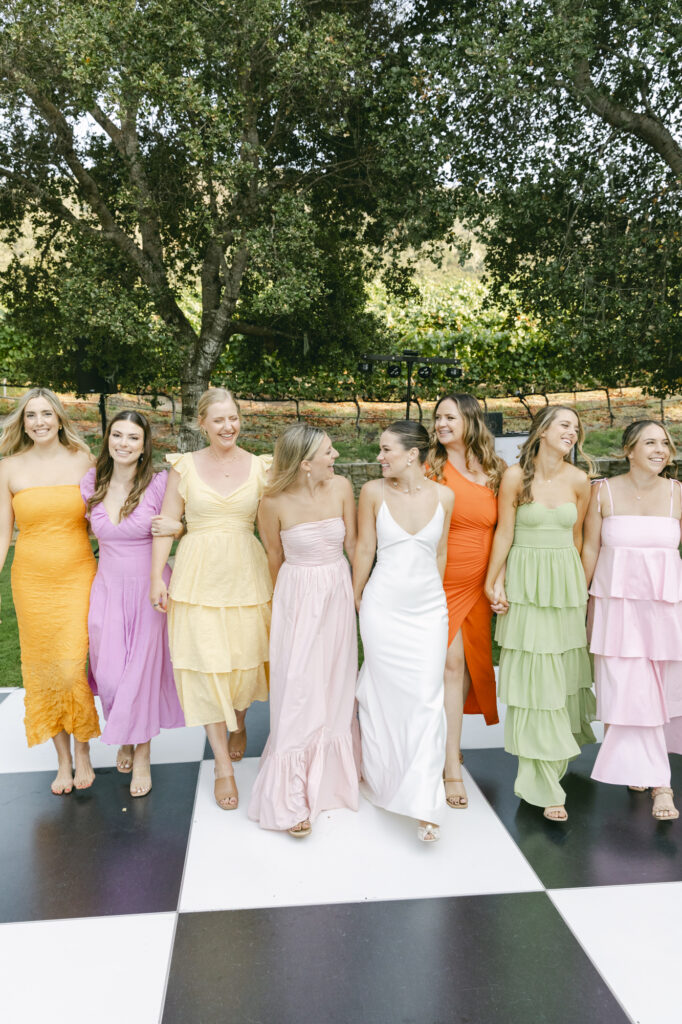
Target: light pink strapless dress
309,763
635,630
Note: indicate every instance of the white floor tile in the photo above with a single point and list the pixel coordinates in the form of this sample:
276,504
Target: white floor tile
633,935
371,855
172,745
102,969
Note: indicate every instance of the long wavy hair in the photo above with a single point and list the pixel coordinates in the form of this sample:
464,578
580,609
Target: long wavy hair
298,442
14,439
479,442
634,431
531,447
104,467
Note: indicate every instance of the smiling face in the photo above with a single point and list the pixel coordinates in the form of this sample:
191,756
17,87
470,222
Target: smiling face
393,457
321,465
222,425
448,423
41,421
562,432
651,450
126,442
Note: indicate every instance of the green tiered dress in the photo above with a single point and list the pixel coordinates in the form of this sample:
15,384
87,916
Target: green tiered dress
545,674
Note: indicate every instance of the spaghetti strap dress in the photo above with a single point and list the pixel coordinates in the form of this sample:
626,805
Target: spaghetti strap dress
130,667
52,574
308,764
219,598
404,629
470,539
635,628
545,673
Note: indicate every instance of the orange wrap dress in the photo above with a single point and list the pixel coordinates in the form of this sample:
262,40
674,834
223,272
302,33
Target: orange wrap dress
52,574
469,542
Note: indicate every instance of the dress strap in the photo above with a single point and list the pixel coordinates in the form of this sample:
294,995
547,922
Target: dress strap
613,509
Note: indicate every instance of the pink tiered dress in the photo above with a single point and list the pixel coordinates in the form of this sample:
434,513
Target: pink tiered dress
635,630
309,763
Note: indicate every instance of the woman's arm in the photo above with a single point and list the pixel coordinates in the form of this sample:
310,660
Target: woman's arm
504,536
447,499
582,501
592,534
6,515
269,526
366,545
350,517
173,507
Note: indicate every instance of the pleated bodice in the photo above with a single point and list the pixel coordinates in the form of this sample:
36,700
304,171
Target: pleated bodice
314,544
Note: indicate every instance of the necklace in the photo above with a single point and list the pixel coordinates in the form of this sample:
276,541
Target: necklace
406,490
222,462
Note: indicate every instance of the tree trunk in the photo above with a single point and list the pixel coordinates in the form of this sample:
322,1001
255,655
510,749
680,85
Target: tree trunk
191,389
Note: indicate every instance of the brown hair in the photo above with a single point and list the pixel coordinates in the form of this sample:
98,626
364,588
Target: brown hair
411,434
479,443
14,439
529,451
634,431
104,467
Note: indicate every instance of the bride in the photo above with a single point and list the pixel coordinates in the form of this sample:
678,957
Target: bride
404,518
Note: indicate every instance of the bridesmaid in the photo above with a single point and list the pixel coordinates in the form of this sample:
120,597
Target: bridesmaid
631,558
305,520
545,674
462,456
219,607
130,666
52,574
404,518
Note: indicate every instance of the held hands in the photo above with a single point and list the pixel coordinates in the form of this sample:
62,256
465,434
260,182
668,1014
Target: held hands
158,595
164,526
498,598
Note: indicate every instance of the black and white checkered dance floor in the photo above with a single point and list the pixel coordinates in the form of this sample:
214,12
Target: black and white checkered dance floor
168,909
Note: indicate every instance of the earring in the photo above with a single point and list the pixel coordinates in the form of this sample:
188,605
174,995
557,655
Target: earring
409,462
309,476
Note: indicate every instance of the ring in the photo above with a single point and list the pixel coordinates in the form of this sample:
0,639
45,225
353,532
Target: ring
155,604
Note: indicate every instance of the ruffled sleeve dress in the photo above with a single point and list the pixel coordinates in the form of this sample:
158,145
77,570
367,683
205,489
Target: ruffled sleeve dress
220,594
130,667
545,674
635,628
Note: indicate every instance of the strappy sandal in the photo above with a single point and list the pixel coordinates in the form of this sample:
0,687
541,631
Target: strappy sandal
562,816
664,813
458,802
428,833
300,831
223,799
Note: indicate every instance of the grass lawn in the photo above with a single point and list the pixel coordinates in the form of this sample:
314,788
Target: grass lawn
10,672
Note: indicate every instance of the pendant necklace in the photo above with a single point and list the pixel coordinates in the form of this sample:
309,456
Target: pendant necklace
221,462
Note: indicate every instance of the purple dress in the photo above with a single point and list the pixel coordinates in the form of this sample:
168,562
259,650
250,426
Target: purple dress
130,666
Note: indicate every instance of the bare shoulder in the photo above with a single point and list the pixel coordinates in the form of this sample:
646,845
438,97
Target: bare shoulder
446,497
579,479
371,492
84,460
342,485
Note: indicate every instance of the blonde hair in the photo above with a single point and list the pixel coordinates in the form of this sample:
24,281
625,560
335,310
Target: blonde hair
104,467
529,451
14,439
298,442
634,431
213,395
479,443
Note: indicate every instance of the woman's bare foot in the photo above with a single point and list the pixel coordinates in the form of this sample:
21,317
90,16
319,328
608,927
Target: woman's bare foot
555,813
225,791
84,775
300,831
664,809
236,744
63,781
141,782
124,758
455,793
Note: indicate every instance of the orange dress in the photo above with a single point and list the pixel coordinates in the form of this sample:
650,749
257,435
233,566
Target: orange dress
52,573
469,542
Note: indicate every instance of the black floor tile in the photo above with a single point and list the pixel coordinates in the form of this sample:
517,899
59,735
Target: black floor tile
506,959
93,852
610,837
2,696
257,730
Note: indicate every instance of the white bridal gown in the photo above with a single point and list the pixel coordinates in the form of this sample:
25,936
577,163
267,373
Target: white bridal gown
404,629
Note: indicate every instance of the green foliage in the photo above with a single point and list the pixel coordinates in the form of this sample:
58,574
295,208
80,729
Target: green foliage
10,658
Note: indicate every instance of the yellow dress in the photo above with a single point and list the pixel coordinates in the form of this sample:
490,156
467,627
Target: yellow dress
220,593
52,573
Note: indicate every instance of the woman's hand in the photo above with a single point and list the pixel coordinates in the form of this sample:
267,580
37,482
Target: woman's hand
165,526
158,595
498,598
